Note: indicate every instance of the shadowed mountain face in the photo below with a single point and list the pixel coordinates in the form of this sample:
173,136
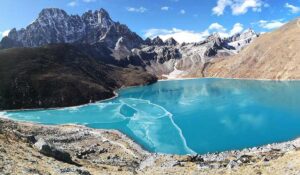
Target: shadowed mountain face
59,75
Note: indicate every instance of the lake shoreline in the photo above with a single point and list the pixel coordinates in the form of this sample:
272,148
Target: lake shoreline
159,80
223,78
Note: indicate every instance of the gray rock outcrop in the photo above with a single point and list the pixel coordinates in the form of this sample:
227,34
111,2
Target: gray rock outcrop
48,150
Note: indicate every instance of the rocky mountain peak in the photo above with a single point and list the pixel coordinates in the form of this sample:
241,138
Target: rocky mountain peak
240,40
103,12
148,41
12,33
52,13
171,42
213,39
214,36
56,26
98,18
157,41
249,33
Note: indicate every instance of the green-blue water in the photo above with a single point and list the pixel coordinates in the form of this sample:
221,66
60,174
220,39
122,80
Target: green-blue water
200,115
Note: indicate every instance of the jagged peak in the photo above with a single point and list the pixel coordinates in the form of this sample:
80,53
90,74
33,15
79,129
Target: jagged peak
249,30
148,41
249,33
157,38
213,37
101,13
12,33
97,17
171,41
157,41
52,12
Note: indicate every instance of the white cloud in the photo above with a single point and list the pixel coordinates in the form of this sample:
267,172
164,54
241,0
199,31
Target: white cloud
4,33
178,34
190,36
73,3
221,5
165,8
292,8
271,24
237,28
182,11
137,10
216,26
238,7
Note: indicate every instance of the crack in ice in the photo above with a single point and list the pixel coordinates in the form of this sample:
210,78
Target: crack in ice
167,114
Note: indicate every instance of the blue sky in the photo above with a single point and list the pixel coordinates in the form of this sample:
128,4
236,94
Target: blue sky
186,20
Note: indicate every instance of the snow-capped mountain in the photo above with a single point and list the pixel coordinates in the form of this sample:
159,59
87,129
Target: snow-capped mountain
56,26
170,59
241,40
114,43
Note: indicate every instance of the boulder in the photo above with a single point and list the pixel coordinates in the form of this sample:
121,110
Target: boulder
49,150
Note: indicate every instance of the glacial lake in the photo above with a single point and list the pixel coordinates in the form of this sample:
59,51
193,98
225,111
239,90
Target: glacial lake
191,116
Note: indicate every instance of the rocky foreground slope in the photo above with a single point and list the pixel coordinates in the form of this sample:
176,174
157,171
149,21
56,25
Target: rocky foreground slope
37,149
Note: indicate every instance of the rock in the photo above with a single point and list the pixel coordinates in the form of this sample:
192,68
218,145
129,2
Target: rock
48,150
75,170
232,164
244,158
196,158
26,138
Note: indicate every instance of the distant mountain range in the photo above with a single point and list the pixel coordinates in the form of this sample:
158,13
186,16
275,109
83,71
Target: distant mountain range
119,57
126,48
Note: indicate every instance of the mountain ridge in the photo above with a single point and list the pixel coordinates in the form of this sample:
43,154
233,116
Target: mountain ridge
55,26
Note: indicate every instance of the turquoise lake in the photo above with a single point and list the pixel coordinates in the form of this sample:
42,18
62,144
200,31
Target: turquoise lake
191,116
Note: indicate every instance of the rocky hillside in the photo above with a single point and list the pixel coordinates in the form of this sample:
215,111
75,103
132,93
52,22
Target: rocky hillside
77,150
273,55
56,26
59,75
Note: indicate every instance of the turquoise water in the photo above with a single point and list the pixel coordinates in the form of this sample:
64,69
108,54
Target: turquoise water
191,116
